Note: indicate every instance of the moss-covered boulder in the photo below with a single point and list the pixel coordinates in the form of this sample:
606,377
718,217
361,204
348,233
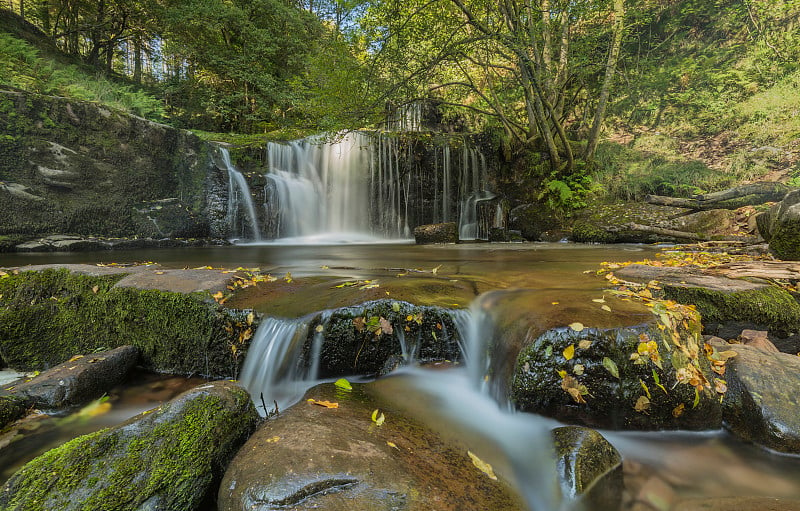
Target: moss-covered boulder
763,397
77,167
79,380
373,337
533,220
339,459
781,227
48,316
652,376
608,223
590,468
170,458
446,232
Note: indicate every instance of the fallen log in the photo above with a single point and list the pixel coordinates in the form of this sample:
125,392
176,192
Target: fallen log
693,236
732,198
773,270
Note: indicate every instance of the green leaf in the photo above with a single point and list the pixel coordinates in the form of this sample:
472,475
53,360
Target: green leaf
343,384
611,367
696,398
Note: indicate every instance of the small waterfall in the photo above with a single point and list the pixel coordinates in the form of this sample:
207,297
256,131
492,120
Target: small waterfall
239,198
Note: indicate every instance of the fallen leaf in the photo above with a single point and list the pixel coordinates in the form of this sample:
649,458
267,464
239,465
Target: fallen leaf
95,289
386,326
76,357
272,440
554,303
573,387
606,308
642,404
319,329
585,344
343,384
611,367
578,327
678,410
599,300
378,419
359,323
569,352
482,466
392,445
578,369
326,404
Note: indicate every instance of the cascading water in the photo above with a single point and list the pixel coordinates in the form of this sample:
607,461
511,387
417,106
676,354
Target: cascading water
239,199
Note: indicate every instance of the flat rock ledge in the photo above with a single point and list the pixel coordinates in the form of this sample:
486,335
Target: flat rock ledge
170,458
67,243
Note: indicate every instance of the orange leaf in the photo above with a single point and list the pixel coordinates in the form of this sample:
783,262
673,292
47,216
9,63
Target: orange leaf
326,404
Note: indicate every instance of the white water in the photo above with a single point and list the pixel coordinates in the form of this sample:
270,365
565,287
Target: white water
239,197
361,187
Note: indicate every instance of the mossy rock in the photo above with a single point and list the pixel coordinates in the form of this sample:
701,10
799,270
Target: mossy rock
369,338
781,227
48,316
11,409
606,223
170,458
590,377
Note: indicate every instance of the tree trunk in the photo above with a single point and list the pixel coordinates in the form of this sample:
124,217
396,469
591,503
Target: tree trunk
137,60
611,65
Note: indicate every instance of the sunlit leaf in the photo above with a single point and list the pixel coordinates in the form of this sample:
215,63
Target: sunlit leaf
561,373
569,352
378,418
611,367
554,303
319,329
272,440
644,387
288,277
326,404
599,300
642,404
585,344
482,466
343,384
396,306
578,369
578,327
606,308
250,318
392,445
95,289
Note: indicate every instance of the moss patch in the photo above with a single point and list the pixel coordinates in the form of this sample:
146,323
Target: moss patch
772,308
11,409
47,317
167,459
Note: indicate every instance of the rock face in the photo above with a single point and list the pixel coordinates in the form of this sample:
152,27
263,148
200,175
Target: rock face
338,459
77,381
624,378
532,220
781,227
170,458
11,409
436,233
69,166
590,468
762,399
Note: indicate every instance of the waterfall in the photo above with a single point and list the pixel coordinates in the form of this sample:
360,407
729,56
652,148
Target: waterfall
239,198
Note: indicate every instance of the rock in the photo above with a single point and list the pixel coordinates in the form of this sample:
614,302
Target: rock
338,459
708,223
757,339
590,468
532,220
726,305
763,397
77,381
499,234
739,504
11,409
170,458
436,233
352,346
605,223
619,378
782,228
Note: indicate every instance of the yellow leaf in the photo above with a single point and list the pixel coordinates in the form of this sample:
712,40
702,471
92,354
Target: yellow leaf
606,308
554,303
378,419
578,327
599,300
326,404
569,352
482,466
585,344
273,439
642,404
678,410
288,277
95,289
561,373
392,445
319,329
76,357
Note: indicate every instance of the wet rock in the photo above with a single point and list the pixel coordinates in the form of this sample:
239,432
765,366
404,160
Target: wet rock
590,468
369,338
739,504
11,409
757,339
499,234
605,223
338,459
781,227
619,378
77,381
436,233
61,243
170,458
532,220
763,397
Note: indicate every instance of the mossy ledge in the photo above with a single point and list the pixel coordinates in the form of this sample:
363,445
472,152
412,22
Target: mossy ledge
48,316
171,458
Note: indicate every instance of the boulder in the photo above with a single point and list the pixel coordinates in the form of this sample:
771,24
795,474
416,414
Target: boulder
77,381
500,234
608,223
782,227
169,458
739,504
340,459
11,409
446,232
643,377
532,220
590,468
762,399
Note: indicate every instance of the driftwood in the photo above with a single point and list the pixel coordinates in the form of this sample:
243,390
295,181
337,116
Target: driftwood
732,198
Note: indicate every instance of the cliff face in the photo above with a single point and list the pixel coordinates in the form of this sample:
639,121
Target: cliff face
75,167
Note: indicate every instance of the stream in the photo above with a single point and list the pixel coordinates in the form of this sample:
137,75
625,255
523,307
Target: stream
314,278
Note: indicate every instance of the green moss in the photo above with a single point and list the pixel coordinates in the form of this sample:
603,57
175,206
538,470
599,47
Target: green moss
771,307
785,241
48,316
587,232
170,458
11,409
